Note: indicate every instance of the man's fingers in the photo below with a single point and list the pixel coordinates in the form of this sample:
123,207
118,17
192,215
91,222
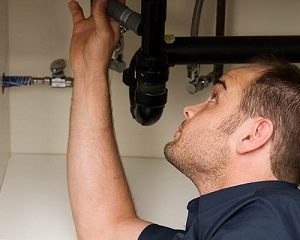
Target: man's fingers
76,11
99,15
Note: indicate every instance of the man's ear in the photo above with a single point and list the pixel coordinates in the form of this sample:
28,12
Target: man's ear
256,134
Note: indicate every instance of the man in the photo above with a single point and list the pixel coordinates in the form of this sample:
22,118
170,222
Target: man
240,148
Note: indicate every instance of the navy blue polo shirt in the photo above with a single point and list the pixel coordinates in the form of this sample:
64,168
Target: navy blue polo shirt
255,211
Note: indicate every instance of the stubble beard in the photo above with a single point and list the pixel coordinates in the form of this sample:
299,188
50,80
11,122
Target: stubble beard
201,155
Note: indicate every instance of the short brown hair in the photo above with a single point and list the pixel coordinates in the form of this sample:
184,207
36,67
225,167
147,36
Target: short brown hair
275,95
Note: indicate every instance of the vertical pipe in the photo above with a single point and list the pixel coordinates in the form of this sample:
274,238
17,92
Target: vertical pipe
196,18
220,23
220,31
153,25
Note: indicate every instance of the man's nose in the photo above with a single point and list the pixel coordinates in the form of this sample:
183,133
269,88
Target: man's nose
191,111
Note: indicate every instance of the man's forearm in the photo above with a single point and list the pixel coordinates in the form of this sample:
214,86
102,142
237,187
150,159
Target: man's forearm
98,190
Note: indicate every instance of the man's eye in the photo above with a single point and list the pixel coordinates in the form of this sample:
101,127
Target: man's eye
213,98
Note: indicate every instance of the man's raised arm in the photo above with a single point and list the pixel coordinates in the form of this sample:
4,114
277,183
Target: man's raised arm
100,198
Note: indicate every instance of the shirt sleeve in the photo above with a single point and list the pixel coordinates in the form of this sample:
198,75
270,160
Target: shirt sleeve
157,232
246,233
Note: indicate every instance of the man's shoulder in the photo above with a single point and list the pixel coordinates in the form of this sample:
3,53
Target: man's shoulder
278,197
269,212
268,202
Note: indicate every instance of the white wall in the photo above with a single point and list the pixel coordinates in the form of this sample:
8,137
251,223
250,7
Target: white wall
39,32
4,99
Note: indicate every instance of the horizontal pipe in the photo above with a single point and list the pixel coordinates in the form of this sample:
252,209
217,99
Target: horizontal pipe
231,49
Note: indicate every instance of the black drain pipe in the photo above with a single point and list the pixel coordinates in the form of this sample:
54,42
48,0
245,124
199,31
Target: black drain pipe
220,31
231,49
148,71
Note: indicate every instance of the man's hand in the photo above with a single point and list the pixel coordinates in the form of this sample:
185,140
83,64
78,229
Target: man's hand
94,39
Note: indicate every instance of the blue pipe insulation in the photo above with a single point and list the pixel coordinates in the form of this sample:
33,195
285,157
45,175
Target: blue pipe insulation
16,81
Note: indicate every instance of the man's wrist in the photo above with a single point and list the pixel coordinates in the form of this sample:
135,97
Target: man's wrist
90,78
87,74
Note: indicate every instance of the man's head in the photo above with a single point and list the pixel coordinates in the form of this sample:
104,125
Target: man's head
250,121
275,95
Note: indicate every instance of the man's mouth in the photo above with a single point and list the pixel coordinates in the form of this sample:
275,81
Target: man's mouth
177,134
179,131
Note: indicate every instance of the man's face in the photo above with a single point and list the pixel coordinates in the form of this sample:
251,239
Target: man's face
200,146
